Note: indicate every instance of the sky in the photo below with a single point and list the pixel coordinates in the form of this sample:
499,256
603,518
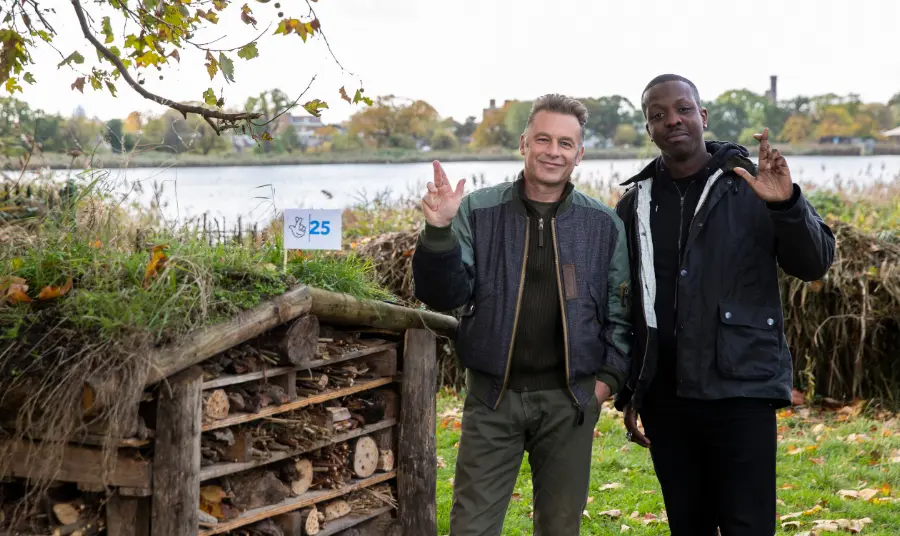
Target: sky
459,54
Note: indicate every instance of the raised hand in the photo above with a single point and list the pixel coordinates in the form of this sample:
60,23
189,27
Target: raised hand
442,201
773,182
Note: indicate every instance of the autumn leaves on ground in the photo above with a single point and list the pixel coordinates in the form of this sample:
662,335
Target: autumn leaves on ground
838,472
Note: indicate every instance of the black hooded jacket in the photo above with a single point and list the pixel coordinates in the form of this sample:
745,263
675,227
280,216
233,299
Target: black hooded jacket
728,326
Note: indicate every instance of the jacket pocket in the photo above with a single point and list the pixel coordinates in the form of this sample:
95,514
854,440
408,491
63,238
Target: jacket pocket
483,291
748,342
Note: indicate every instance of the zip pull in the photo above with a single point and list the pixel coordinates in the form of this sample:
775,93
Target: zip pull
541,232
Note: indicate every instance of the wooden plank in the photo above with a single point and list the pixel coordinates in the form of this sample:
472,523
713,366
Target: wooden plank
417,460
79,464
289,505
176,456
127,516
221,469
234,379
351,520
350,355
239,418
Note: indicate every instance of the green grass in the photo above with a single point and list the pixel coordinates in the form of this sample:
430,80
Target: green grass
813,476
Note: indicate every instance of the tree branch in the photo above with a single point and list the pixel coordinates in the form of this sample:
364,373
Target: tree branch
183,108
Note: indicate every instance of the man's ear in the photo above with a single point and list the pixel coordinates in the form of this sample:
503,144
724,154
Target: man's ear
580,155
522,144
705,115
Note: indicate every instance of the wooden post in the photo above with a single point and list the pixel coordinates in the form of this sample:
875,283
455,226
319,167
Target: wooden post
417,464
127,516
176,456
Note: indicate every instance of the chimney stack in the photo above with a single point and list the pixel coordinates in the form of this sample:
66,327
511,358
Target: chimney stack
493,103
773,89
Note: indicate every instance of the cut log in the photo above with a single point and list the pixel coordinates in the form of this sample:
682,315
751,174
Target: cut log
385,460
237,402
336,509
215,405
344,309
291,523
66,513
297,344
311,525
256,489
300,474
365,457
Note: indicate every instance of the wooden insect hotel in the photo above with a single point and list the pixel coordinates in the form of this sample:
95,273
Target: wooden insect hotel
311,414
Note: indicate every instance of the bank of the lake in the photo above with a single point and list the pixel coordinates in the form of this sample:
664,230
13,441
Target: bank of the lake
256,194
107,160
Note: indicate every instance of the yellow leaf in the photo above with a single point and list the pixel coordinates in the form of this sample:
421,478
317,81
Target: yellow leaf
157,263
51,292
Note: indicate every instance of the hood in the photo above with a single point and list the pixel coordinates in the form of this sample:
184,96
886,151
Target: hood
726,155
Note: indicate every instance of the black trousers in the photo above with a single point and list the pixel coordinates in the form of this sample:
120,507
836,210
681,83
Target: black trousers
715,461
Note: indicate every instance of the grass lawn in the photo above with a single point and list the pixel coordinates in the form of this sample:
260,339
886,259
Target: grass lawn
832,465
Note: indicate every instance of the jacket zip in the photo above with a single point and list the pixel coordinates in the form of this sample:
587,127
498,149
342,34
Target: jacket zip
541,232
516,317
562,308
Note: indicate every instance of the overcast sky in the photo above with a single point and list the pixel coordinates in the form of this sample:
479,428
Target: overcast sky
458,54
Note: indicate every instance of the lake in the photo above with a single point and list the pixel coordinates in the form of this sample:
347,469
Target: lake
257,193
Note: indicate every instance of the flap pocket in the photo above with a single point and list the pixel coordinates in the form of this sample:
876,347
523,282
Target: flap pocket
748,342
753,317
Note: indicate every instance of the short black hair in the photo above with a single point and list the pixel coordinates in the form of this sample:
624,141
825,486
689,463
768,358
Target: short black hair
663,78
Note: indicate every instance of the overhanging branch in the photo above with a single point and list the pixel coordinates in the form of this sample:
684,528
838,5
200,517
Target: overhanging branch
185,109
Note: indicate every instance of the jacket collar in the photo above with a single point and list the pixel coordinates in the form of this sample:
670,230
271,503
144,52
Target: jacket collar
519,195
726,155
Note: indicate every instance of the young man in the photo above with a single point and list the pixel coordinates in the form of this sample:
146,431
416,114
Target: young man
540,273
707,232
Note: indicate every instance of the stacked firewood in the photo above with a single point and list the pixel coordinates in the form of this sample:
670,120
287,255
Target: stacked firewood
65,509
330,467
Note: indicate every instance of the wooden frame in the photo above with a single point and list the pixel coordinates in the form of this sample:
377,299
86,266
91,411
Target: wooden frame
160,496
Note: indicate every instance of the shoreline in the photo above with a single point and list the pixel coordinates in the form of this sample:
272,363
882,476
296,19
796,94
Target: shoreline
188,160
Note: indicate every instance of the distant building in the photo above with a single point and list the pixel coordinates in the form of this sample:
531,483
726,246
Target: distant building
893,134
305,126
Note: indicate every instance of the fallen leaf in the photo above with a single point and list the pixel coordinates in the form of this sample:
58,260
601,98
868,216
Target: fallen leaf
787,486
611,513
624,528
614,485
51,292
157,262
649,518
516,496
586,514
818,429
590,500
791,525
441,463
14,289
818,461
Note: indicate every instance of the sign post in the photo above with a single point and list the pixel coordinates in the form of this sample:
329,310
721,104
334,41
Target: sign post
311,229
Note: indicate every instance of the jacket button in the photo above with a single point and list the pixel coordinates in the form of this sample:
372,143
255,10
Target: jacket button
683,273
728,315
770,322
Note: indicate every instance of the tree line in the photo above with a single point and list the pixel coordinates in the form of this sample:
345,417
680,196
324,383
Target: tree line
395,123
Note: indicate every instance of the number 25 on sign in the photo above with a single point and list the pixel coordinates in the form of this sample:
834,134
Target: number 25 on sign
312,229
